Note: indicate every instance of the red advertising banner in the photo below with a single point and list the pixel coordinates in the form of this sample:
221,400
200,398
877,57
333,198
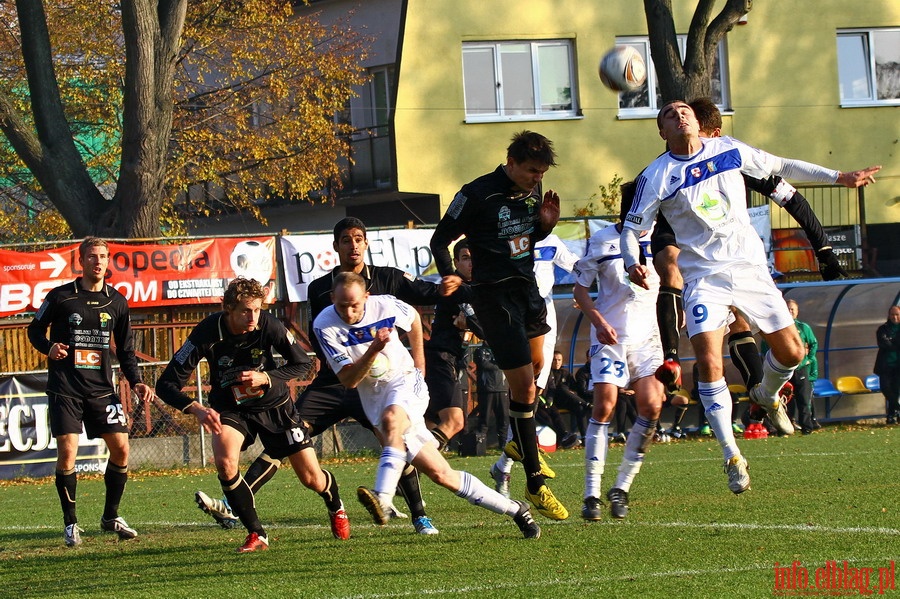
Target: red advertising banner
194,272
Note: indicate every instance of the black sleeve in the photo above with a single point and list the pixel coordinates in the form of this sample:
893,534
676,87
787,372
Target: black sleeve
37,328
440,247
450,228
797,207
473,324
125,344
803,213
416,292
297,363
177,373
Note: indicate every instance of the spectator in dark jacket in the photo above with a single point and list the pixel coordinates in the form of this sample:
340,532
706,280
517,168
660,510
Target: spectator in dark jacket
887,363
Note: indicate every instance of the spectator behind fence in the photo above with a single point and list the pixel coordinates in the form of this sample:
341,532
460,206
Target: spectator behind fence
804,375
493,395
563,387
887,363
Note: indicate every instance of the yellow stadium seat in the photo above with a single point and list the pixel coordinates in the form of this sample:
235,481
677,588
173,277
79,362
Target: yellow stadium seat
739,391
851,385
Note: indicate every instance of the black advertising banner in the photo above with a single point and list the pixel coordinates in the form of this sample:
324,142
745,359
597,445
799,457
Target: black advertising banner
26,446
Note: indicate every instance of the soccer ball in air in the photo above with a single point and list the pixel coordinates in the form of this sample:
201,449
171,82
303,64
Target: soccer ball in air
622,69
252,260
380,367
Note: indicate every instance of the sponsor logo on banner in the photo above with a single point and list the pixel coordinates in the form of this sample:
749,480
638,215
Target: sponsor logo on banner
147,275
308,257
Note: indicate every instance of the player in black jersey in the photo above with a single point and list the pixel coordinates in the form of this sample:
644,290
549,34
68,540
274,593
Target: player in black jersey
325,402
445,357
84,316
249,398
502,214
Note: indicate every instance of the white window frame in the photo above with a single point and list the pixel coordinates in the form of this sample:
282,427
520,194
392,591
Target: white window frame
871,50
642,44
504,114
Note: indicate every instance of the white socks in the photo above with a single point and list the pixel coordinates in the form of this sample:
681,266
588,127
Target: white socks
716,400
596,443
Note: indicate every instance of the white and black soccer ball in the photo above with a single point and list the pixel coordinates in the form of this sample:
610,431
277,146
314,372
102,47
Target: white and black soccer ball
380,367
622,69
252,260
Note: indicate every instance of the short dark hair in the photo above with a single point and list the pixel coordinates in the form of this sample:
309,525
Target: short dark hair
528,145
90,242
462,244
346,223
241,289
707,113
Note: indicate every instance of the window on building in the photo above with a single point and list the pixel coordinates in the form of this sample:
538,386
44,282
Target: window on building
519,80
869,66
640,103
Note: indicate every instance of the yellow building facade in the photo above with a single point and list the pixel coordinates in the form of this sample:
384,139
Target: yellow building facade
781,85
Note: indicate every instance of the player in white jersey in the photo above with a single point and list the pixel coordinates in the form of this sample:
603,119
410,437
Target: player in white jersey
625,352
698,186
548,254
358,335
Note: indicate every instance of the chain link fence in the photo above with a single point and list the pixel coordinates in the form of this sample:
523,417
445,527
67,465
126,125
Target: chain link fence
163,437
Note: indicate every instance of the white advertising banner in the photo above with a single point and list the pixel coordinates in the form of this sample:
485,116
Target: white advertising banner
308,257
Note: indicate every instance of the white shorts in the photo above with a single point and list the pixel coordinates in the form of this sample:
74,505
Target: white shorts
410,393
549,343
407,391
620,364
707,301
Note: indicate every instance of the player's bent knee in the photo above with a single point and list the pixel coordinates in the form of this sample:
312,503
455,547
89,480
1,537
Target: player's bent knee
444,477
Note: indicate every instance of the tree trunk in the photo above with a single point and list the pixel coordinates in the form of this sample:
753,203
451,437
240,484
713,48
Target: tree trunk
688,79
152,34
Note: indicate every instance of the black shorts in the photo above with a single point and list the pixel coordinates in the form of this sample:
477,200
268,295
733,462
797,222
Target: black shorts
442,379
662,236
321,406
511,313
280,429
100,415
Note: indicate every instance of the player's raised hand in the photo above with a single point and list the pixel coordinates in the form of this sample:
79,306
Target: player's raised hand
549,212
859,178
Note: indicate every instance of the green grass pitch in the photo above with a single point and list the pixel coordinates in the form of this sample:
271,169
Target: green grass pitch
829,497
